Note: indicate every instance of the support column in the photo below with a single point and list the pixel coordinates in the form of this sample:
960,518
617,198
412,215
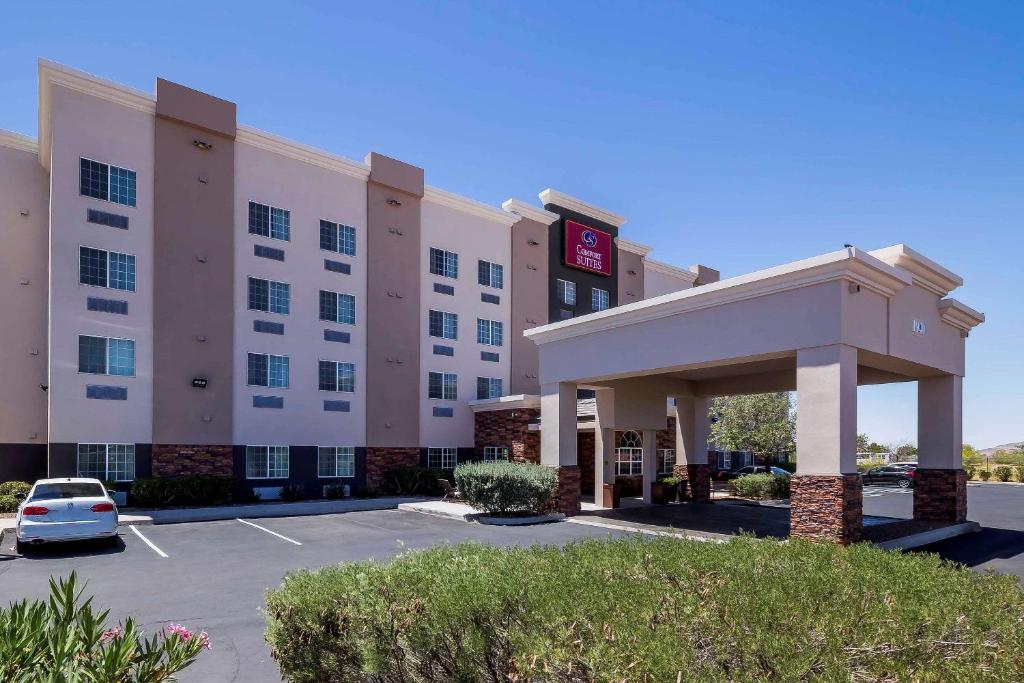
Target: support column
604,446
693,428
940,485
650,461
558,442
826,497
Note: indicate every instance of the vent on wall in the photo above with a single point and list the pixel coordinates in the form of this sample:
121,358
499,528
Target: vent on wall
112,220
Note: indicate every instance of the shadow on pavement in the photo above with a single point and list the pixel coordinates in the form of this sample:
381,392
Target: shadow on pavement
976,549
68,549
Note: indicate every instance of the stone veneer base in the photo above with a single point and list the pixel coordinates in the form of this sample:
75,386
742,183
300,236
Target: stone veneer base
567,498
380,459
175,460
826,507
698,481
940,495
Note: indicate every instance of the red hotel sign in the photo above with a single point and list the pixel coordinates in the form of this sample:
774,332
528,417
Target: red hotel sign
587,248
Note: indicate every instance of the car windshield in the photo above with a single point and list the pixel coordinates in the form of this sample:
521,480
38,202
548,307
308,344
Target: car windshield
68,489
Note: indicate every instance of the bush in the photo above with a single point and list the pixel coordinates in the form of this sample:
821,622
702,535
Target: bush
293,492
970,471
1003,473
760,486
1019,469
870,465
984,475
507,488
642,609
414,481
788,466
9,504
334,491
198,489
10,488
64,639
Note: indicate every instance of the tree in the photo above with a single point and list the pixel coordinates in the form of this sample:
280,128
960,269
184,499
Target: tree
970,454
764,424
863,443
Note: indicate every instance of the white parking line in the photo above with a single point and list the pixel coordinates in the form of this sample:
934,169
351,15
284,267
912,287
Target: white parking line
148,542
272,533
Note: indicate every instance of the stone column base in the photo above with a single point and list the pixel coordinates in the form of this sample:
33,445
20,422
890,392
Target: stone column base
697,480
567,497
175,460
826,507
940,495
380,459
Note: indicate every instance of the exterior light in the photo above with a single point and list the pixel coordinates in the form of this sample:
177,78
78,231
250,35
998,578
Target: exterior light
199,382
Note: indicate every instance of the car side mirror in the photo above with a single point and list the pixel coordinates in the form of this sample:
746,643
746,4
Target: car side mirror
19,496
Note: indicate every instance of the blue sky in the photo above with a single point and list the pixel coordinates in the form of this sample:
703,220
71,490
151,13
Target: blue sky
739,135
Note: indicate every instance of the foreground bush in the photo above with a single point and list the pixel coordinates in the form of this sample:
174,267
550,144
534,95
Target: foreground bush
760,486
507,488
413,481
198,489
648,610
64,639
9,504
10,488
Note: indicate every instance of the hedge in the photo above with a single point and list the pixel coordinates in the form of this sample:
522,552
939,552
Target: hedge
10,488
507,488
9,504
760,486
642,609
198,489
413,481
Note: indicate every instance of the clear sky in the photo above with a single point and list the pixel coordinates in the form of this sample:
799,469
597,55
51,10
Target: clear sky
736,134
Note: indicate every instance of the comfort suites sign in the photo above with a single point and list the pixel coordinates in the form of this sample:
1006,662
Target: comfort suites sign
587,248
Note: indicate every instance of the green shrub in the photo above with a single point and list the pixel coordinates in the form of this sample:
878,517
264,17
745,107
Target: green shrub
414,481
10,488
334,491
9,504
760,486
870,465
506,488
1019,470
642,609
65,639
198,489
970,471
788,466
984,475
1003,473
293,492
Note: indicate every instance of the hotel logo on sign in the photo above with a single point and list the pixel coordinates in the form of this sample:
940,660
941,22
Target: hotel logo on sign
587,249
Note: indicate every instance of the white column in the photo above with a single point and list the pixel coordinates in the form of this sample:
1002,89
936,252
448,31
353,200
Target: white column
604,461
940,422
826,416
558,424
650,463
693,428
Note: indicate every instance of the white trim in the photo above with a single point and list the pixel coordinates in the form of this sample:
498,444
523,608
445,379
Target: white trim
960,315
669,269
148,542
927,273
550,196
22,143
300,152
467,205
852,265
505,403
529,212
633,247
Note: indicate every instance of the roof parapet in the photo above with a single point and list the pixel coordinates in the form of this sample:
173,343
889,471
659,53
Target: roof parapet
927,273
550,196
529,212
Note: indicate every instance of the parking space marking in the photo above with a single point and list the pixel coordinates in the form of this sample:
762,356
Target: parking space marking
876,491
272,533
148,542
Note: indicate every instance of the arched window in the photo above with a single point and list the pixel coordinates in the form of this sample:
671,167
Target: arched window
631,439
629,455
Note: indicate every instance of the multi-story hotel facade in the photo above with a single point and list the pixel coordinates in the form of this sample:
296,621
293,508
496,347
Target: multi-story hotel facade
186,294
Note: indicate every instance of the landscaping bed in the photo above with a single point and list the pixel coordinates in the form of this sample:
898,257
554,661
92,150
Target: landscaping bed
642,609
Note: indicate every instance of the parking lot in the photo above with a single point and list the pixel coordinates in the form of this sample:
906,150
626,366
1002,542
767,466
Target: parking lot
212,575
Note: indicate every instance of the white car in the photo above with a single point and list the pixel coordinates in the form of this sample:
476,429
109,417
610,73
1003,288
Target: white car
68,509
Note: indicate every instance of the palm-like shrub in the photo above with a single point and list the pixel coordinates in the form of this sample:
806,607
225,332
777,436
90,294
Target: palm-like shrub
506,488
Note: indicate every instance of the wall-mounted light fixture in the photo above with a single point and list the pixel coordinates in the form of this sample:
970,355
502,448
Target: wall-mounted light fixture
23,212
199,382
200,258
203,145
200,337
631,272
533,243
394,202
204,180
853,288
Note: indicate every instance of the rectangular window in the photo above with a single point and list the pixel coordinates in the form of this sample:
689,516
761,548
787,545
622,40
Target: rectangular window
336,376
106,182
490,274
488,332
443,386
107,461
488,387
266,370
269,221
101,268
629,462
106,356
269,296
599,299
493,453
266,462
442,458
338,238
444,263
443,325
336,461
666,459
566,292
337,308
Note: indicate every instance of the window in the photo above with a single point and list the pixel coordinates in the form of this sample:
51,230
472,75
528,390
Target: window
490,274
444,263
488,387
443,386
599,300
106,269
107,461
335,376
336,461
106,182
666,459
106,356
269,296
442,458
488,332
566,292
269,221
338,238
337,308
266,370
629,456
443,325
266,462
492,453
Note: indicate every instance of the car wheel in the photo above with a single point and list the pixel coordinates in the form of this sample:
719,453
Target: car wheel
904,483
21,548
110,542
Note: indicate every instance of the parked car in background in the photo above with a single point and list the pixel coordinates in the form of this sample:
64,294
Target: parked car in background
901,475
726,475
68,509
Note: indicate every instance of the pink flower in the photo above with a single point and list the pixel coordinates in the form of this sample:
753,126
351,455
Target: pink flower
112,634
178,630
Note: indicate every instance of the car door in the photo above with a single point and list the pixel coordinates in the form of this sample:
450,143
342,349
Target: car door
872,476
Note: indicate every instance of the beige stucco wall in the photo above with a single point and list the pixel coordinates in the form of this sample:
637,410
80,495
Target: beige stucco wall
527,283
631,277
658,282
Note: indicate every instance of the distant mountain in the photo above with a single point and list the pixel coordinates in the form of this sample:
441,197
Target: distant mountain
1008,447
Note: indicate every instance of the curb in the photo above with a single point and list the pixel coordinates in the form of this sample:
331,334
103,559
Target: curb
480,518
929,537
